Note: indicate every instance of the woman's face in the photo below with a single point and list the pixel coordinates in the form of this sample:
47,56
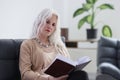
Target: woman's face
49,27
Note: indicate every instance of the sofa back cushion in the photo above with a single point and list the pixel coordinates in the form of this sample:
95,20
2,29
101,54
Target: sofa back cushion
9,59
118,54
107,51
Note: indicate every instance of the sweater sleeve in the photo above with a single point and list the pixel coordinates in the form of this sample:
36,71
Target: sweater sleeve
25,64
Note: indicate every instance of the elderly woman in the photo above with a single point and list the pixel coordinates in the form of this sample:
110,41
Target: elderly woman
37,53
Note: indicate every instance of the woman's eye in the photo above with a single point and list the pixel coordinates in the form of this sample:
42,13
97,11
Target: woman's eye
53,24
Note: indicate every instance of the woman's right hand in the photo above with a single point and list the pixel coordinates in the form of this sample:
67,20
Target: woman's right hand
58,78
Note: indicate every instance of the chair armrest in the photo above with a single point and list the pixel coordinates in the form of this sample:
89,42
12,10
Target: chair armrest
110,69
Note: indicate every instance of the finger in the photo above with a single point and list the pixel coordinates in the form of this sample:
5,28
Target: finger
63,77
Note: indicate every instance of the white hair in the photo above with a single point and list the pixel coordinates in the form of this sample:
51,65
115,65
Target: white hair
54,38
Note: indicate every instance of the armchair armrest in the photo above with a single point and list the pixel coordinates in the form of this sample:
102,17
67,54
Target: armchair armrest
109,69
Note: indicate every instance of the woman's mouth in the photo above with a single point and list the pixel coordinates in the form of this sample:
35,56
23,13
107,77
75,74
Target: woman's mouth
48,30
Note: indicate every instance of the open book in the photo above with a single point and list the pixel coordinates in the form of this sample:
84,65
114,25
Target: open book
62,65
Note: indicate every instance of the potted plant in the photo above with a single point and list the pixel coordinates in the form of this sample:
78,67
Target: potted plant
90,8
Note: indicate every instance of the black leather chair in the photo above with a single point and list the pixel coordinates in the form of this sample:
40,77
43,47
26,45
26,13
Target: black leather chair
9,59
108,59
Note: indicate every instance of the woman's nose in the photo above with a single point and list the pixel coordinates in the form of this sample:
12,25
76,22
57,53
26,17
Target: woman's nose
50,25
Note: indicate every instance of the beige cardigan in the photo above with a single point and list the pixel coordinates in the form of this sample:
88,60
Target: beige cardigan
35,59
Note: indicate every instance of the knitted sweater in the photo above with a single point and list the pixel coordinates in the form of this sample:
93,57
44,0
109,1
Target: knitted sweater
35,59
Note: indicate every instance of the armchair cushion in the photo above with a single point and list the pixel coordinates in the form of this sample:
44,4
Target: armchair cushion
110,69
108,59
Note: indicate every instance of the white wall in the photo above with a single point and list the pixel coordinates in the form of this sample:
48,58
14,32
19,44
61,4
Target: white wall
17,16
61,6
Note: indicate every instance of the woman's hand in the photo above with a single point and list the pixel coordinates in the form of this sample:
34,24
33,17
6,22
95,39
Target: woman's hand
58,78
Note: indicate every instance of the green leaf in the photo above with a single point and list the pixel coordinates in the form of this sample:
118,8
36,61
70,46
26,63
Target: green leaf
106,31
87,6
82,21
78,12
89,19
91,1
106,6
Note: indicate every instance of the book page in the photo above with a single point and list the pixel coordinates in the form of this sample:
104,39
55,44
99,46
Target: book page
65,59
82,62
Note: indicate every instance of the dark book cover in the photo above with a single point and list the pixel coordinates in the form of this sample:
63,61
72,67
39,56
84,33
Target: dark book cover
62,66
59,68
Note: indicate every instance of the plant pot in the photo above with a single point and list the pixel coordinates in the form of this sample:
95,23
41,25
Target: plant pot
91,33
